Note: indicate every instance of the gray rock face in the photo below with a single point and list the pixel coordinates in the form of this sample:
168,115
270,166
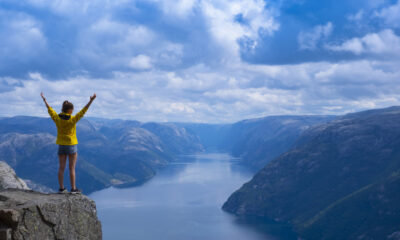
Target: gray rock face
25,214
8,178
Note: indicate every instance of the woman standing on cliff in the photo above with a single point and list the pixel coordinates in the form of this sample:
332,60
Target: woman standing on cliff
66,139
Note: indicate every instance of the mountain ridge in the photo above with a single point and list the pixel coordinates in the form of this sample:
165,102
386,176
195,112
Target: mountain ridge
105,158
328,166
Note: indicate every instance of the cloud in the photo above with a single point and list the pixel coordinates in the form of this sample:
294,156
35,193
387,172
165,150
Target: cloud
208,96
9,84
99,37
199,60
124,44
357,16
390,14
354,45
385,43
310,39
21,39
140,62
306,27
227,31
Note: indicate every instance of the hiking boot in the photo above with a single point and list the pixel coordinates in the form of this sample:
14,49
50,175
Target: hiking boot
62,190
76,191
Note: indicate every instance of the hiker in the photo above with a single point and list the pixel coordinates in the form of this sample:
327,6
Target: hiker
66,139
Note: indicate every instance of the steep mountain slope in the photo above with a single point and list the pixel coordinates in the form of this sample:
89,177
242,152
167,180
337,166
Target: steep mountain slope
111,152
257,141
378,204
343,173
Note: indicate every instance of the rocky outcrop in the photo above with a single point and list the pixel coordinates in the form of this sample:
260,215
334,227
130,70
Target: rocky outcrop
8,178
25,214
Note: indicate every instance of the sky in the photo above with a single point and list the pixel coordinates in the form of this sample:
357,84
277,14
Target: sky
199,60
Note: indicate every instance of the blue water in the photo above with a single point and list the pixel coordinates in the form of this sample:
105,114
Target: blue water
182,202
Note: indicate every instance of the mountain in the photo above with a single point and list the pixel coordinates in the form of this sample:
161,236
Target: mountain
124,152
257,141
110,152
340,180
211,136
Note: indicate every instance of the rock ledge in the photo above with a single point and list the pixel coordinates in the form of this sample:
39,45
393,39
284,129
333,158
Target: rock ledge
25,214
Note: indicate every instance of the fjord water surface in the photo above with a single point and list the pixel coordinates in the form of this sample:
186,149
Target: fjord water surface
183,201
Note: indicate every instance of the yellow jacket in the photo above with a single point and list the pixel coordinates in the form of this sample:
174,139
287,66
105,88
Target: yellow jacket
66,126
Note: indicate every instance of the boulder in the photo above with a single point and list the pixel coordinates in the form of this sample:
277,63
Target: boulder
8,178
25,214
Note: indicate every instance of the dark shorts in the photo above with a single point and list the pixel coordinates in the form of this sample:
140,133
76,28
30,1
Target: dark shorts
67,149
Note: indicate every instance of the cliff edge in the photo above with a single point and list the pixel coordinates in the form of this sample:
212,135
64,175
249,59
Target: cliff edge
25,214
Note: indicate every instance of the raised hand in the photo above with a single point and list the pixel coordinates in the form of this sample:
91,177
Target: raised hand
44,100
93,97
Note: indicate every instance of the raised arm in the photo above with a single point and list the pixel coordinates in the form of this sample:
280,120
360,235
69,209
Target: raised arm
82,112
52,113
92,98
44,100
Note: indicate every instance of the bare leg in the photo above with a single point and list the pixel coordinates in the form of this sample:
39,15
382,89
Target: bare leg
72,163
63,161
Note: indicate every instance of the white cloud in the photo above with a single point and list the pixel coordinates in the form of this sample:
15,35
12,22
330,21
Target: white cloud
391,14
20,36
360,73
197,78
226,31
309,40
178,107
94,38
255,96
116,44
354,45
357,16
120,36
191,57
211,95
140,62
385,43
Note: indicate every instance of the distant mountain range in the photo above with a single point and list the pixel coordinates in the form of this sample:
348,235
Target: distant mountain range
330,177
111,152
116,152
340,180
255,141
258,141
